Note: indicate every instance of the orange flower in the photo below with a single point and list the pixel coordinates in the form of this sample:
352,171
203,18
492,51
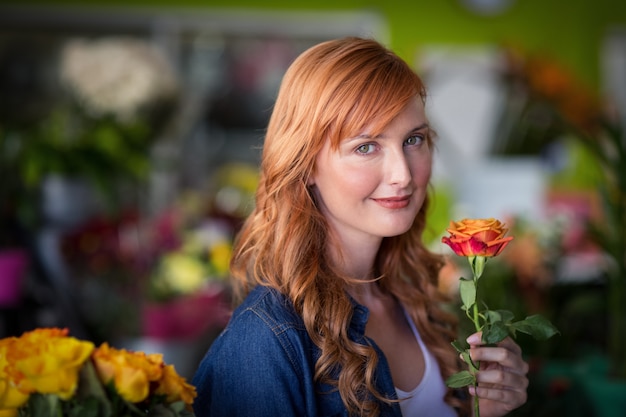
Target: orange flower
174,387
131,372
576,103
477,237
47,361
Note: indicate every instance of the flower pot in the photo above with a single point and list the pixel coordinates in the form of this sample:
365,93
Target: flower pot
67,201
13,263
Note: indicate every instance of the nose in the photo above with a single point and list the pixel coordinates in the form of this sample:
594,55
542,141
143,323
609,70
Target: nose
398,168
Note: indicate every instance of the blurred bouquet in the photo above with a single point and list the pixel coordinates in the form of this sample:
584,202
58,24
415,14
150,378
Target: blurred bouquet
45,372
201,257
112,96
186,284
179,252
549,108
162,276
544,100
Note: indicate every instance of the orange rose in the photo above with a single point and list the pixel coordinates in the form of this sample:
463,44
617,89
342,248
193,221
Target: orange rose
131,372
174,387
477,237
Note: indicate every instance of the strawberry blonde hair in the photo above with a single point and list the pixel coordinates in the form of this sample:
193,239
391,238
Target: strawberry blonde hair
331,92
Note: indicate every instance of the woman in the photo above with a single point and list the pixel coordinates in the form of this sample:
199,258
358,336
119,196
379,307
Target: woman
341,314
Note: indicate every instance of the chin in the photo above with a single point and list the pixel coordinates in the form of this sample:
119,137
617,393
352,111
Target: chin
397,231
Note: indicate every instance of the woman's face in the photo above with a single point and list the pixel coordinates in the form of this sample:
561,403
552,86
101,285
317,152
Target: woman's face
373,186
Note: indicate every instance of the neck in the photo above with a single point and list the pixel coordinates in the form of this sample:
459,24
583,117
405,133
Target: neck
356,260
364,293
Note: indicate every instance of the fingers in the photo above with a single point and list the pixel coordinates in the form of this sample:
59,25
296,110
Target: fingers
508,343
507,360
507,354
506,400
496,376
502,376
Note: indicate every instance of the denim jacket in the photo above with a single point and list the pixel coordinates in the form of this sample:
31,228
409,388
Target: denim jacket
263,365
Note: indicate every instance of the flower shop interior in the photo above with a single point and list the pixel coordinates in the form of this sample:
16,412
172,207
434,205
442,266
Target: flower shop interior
130,134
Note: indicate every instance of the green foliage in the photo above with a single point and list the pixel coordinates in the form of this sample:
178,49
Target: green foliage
461,379
69,143
99,149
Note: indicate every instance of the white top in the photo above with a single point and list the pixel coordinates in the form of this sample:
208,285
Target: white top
426,399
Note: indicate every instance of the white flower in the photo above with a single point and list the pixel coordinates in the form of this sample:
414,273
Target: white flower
118,76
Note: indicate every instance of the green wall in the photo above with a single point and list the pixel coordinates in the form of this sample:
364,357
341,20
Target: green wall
569,30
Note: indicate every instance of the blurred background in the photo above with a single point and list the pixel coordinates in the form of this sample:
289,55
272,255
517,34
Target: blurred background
130,136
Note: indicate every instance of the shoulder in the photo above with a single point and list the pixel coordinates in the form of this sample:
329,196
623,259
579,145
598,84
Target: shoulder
265,340
267,321
266,330
269,306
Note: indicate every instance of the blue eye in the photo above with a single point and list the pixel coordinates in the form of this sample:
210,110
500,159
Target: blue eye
414,140
365,148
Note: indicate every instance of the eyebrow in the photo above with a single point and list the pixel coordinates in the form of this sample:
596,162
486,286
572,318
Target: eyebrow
368,136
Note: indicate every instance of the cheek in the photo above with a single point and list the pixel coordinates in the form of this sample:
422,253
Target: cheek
346,182
425,173
421,170
359,180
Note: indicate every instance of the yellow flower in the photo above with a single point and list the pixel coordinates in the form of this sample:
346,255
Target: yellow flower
174,387
48,362
220,256
11,398
182,272
131,372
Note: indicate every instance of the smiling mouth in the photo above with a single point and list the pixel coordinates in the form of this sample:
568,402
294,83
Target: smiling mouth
394,202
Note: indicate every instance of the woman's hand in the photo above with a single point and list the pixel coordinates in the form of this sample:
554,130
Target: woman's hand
502,379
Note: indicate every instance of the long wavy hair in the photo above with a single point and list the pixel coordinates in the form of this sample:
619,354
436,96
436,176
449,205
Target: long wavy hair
331,92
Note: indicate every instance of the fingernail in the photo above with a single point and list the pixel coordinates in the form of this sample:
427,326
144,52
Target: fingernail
473,339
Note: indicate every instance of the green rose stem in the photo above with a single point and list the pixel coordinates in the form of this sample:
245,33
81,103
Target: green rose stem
477,264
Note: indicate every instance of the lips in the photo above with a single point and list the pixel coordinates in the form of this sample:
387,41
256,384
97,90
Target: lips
394,202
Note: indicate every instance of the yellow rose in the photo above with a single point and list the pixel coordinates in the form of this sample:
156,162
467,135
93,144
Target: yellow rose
48,362
10,396
131,372
477,237
174,387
